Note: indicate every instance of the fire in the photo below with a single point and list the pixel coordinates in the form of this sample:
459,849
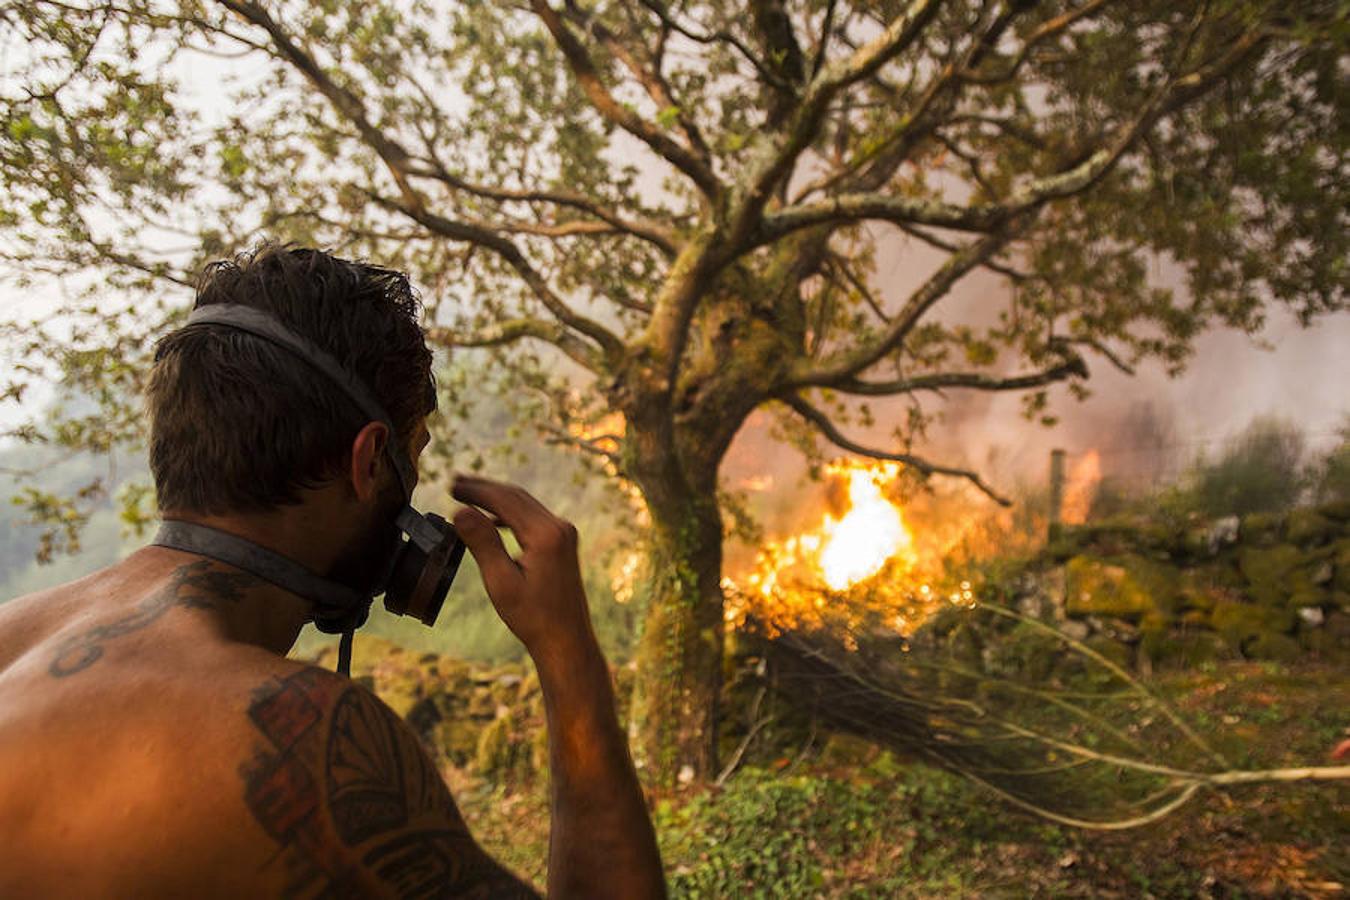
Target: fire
870,533
1081,488
605,433
864,549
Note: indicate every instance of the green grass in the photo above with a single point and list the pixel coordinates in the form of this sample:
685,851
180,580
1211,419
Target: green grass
882,827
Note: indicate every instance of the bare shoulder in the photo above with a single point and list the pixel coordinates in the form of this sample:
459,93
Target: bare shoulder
345,789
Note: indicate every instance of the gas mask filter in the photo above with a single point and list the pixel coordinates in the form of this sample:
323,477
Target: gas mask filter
421,563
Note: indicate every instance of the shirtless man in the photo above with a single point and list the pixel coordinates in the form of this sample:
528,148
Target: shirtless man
154,739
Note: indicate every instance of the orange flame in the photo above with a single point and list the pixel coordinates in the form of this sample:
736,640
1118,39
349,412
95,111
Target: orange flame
797,581
869,534
1081,488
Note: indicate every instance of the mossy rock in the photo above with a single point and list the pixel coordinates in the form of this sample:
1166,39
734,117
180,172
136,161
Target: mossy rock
1027,651
506,690
964,646
1309,597
495,752
457,740
1198,590
1307,528
1182,649
1260,529
1066,543
539,750
1155,635
1242,623
1118,653
1337,624
1195,543
846,750
1275,574
482,705
1337,511
1324,643
1129,587
1276,647
1162,582
1195,618
1340,560
428,713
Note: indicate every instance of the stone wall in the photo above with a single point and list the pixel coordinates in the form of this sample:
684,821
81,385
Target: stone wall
1263,587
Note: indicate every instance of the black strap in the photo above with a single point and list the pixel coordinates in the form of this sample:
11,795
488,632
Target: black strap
337,608
344,663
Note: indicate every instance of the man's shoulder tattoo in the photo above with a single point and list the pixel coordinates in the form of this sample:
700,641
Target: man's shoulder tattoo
337,783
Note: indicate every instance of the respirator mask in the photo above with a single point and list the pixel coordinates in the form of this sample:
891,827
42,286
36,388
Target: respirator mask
422,559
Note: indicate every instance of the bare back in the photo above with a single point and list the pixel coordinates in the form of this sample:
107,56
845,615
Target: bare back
141,755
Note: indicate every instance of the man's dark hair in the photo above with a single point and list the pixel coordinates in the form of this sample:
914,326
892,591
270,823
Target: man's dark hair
238,424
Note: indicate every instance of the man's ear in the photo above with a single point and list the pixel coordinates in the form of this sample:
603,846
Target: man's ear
368,458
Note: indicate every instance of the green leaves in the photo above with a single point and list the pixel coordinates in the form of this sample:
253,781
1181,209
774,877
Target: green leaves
135,145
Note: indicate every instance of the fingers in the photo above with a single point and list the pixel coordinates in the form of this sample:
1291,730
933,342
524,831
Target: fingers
515,507
500,573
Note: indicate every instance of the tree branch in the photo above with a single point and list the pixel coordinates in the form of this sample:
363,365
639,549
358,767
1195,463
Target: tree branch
766,74
397,161
923,466
651,80
557,435
583,69
916,305
512,330
462,231
652,232
1072,367
805,123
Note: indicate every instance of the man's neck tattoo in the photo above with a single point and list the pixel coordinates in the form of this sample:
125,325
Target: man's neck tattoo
196,585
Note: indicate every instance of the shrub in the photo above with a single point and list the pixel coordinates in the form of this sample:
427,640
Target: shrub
1261,470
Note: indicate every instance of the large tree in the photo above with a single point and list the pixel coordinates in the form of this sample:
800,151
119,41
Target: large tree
672,209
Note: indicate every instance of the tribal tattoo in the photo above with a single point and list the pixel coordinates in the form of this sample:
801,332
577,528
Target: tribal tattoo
346,791
197,585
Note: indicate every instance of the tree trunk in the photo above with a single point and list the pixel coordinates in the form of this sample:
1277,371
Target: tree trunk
679,658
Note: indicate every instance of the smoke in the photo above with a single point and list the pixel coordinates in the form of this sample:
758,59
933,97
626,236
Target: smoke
1144,427
1138,432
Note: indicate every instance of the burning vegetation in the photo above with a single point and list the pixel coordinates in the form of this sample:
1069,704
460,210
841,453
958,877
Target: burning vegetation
862,564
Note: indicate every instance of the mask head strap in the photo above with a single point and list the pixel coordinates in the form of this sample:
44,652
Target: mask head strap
337,608
262,324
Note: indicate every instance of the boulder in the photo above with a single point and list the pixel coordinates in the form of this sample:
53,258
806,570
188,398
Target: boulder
482,705
1276,574
1276,647
1118,653
1307,528
1221,533
1241,623
1260,529
1128,588
1340,563
1337,511
1311,616
1027,651
1182,649
495,752
458,739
